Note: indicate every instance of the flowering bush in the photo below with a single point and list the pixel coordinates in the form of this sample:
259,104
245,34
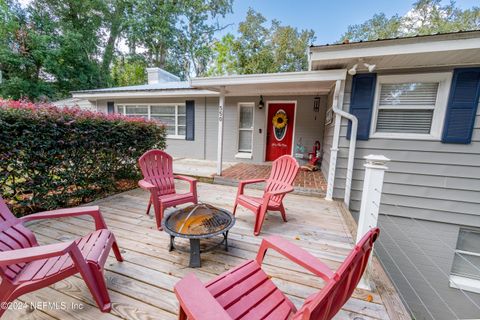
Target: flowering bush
53,157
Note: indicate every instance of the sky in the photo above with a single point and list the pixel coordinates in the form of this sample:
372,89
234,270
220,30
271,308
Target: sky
328,18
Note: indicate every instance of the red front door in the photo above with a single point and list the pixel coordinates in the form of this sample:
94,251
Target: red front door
279,130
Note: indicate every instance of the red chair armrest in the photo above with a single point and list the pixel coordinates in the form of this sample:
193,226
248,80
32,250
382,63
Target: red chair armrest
281,191
242,184
185,178
295,254
35,253
93,211
144,184
197,302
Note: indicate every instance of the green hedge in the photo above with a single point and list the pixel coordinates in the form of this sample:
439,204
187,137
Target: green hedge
52,157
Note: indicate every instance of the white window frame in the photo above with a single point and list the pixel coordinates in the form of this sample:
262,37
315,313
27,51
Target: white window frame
149,106
463,282
444,80
244,154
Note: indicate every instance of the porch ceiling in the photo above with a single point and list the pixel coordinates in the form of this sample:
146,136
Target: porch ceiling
288,83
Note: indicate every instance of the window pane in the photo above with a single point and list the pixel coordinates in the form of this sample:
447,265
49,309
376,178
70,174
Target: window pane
466,265
413,94
170,130
181,120
181,109
469,240
167,120
120,109
404,121
246,117
181,130
137,110
245,141
162,110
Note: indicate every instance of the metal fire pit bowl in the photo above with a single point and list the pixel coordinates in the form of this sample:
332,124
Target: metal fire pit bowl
199,221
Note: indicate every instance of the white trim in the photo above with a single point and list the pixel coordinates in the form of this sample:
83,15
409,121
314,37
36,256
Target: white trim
270,78
146,94
175,136
351,51
467,284
266,125
443,78
241,152
244,155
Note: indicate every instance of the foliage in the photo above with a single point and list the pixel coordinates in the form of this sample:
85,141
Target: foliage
261,49
52,47
129,71
425,17
51,157
176,35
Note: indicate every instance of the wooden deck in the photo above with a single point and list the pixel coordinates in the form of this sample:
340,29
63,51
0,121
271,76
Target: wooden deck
142,286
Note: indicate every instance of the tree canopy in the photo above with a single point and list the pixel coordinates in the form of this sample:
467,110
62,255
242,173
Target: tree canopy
52,47
261,48
425,17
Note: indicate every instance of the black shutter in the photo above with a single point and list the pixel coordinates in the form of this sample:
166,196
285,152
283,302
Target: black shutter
110,107
361,103
190,120
462,106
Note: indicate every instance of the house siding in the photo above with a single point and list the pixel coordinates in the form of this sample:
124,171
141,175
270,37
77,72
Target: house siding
435,183
308,126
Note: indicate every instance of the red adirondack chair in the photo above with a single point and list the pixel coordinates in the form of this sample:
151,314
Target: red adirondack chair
284,171
246,292
26,266
158,178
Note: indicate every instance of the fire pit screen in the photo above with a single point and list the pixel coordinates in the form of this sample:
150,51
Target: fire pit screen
200,221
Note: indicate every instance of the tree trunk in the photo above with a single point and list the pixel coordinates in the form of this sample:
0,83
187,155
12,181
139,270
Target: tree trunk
115,29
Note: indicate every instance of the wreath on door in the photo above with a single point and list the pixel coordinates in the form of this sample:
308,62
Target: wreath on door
280,120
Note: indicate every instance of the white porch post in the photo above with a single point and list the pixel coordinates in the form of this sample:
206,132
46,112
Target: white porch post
220,130
372,191
337,99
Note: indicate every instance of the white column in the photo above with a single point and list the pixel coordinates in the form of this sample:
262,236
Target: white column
220,130
337,99
372,192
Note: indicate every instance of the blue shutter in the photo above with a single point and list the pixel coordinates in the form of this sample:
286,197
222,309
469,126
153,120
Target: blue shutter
190,120
462,106
110,107
361,103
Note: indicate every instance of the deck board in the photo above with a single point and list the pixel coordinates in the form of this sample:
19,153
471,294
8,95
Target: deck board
142,286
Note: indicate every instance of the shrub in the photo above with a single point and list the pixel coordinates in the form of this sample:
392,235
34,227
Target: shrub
52,157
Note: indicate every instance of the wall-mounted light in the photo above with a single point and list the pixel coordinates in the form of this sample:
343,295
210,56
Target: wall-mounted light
261,104
370,67
316,104
353,70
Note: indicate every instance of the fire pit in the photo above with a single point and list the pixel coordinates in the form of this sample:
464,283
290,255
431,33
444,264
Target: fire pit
200,221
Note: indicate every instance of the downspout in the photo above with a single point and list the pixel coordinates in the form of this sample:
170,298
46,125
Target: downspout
336,108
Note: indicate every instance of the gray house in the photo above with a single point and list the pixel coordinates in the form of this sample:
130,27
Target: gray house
414,100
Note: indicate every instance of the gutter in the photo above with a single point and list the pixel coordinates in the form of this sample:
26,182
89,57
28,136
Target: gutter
336,108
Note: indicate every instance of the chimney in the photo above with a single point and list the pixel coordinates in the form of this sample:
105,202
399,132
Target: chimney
157,75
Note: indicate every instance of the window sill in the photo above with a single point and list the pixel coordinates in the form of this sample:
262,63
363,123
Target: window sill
466,284
404,136
173,137
244,155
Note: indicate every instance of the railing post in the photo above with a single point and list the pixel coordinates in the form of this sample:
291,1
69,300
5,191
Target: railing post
375,166
221,107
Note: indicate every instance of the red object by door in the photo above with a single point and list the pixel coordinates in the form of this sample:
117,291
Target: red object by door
280,125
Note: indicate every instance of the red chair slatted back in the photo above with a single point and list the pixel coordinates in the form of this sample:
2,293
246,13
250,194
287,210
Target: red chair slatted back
325,304
13,235
157,168
284,171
